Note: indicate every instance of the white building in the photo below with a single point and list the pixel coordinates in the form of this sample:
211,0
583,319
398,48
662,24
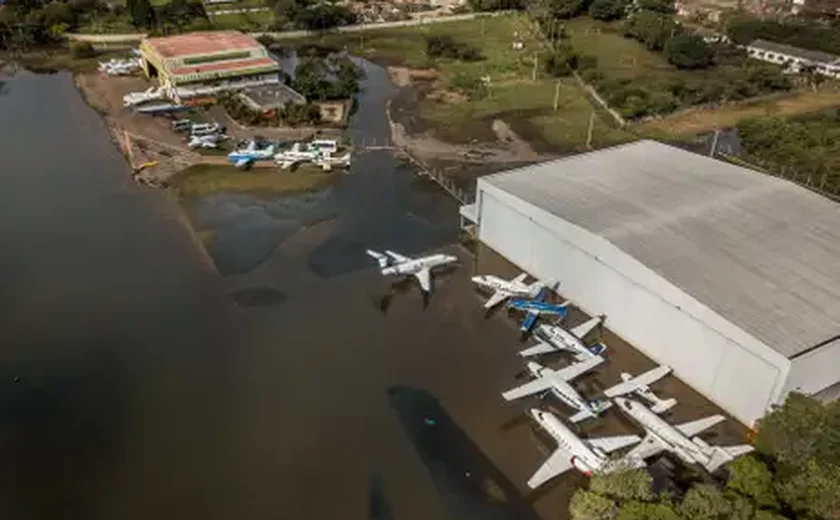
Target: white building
729,276
795,59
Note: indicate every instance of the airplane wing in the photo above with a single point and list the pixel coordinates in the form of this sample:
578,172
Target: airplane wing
615,442
398,257
540,348
529,320
692,428
586,327
631,385
380,258
572,371
520,279
529,388
559,462
424,277
241,162
496,299
649,447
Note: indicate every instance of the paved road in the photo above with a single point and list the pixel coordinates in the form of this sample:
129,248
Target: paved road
129,38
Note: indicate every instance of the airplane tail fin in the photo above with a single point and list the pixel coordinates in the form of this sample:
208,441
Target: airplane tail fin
592,409
720,455
382,259
597,349
663,405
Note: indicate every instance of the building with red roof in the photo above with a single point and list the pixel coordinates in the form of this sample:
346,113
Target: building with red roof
205,62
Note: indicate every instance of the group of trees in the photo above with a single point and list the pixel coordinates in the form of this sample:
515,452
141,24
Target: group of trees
321,79
809,145
794,474
447,47
312,15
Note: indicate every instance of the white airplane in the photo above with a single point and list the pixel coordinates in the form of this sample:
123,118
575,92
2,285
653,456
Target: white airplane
640,386
206,141
586,455
554,338
392,263
299,152
504,289
557,382
679,439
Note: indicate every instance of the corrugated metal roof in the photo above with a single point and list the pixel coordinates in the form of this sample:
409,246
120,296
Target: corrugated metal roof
789,50
761,252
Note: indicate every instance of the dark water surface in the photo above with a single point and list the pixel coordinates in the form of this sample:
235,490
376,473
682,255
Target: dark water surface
137,383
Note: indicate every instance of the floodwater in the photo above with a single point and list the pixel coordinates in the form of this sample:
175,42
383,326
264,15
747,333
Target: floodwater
136,382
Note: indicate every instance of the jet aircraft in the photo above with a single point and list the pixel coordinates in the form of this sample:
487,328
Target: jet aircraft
680,439
639,386
536,308
557,382
392,263
554,338
586,455
504,289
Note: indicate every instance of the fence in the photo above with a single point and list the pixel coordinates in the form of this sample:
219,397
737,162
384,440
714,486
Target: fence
826,183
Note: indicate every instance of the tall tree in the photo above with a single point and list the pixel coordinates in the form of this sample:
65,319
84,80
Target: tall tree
688,51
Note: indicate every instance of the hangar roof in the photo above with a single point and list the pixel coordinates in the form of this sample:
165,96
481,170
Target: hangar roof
762,252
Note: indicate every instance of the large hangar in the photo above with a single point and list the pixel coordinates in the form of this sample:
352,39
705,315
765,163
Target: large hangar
729,276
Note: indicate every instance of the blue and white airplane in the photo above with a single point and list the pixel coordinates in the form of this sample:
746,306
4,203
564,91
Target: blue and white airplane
248,155
536,308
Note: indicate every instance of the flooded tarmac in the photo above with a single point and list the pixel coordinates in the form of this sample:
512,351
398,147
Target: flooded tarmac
137,382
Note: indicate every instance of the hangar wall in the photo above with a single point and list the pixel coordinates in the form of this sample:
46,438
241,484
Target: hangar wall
816,369
733,370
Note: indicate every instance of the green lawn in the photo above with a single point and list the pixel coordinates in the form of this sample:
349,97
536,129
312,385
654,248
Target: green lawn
203,179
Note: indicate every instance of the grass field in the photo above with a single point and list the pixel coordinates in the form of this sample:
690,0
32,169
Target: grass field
525,104
202,180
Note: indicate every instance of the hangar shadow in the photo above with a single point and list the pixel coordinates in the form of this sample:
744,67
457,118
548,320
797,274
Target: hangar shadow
467,481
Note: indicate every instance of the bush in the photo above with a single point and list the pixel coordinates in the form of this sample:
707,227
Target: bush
688,51
651,28
266,40
306,114
446,47
472,86
81,50
496,5
607,9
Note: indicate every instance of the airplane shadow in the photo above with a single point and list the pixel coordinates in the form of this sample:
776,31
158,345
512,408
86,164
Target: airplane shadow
379,507
469,484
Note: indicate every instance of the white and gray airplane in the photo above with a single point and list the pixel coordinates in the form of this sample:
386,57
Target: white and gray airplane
557,382
391,264
554,338
680,439
504,289
586,455
639,385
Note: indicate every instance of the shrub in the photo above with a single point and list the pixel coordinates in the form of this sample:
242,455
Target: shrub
81,50
446,47
688,51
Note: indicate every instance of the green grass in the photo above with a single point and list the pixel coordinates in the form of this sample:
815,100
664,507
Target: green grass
243,21
204,179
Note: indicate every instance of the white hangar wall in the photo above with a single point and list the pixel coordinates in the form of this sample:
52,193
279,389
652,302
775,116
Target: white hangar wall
815,369
730,367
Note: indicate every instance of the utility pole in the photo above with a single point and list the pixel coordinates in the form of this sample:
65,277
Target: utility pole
536,61
556,95
589,130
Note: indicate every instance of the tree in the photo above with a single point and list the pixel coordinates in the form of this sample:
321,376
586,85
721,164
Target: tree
651,28
445,46
142,14
586,505
814,491
658,6
705,502
323,16
647,511
553,9
752,478
812,77
607,9
305,114
561,62
688,51
633,484
82,50
496,5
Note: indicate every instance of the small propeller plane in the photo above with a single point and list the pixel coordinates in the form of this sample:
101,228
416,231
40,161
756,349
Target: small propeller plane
536,308
586,455
392,263
246,157
640,386
504,289
557,382
554,338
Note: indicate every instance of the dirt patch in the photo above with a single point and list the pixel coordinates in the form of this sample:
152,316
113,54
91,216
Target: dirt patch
506,135
406,77
449,97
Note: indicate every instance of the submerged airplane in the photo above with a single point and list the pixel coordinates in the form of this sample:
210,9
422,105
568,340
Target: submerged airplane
639,386
536,308
557,382
504,289
586,455
247,156
554,338
392,263
679,439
